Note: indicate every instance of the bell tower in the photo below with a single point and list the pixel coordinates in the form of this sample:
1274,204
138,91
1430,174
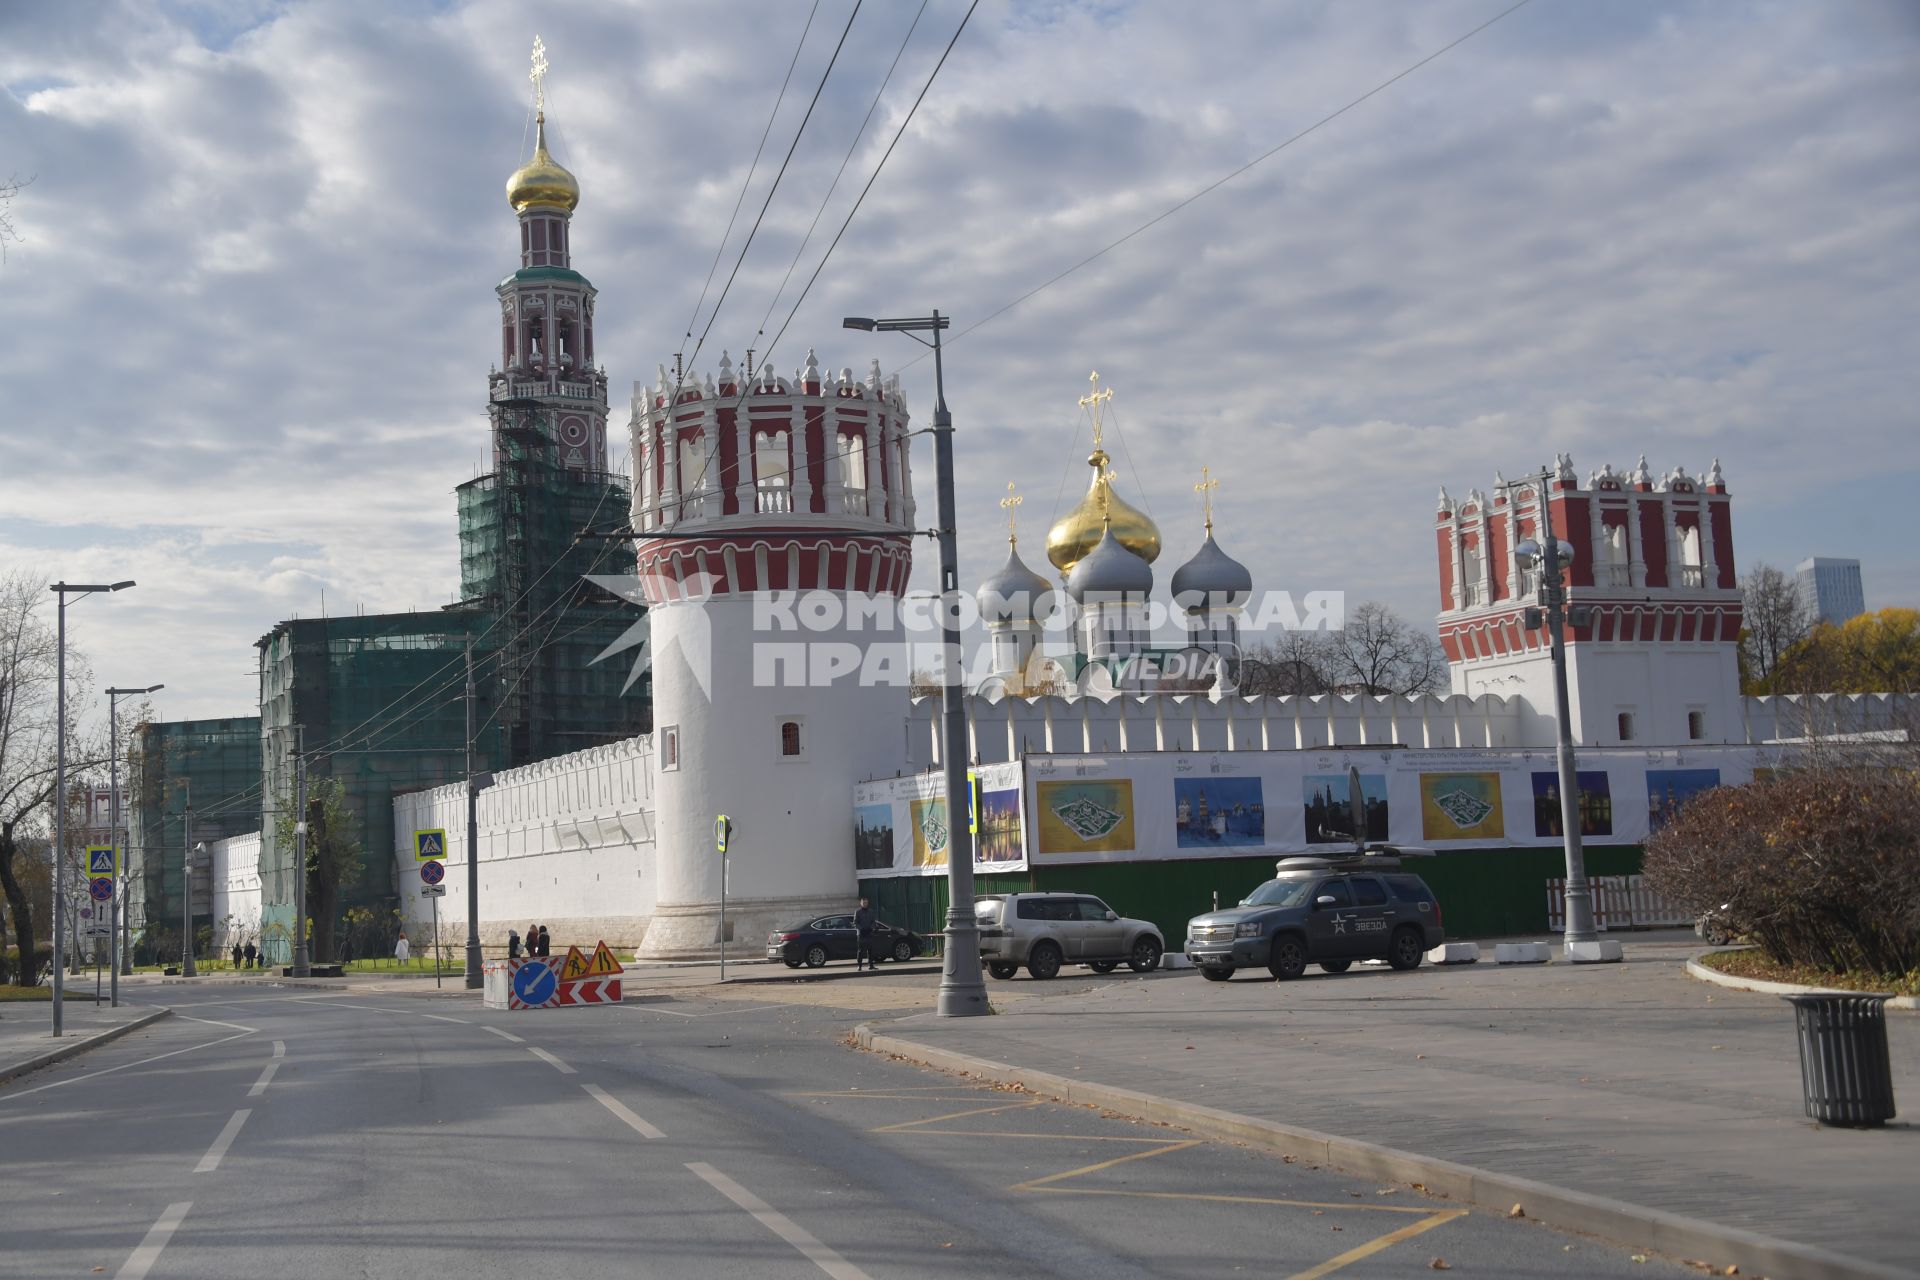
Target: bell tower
547,381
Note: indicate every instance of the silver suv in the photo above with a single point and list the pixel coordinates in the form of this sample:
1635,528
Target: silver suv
1046,930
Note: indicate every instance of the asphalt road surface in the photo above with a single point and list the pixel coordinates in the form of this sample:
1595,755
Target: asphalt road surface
260,1134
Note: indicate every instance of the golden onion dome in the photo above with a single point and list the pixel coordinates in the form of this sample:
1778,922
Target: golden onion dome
541,180
1078,532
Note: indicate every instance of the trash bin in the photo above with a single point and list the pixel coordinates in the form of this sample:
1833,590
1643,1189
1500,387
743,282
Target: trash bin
1845,1071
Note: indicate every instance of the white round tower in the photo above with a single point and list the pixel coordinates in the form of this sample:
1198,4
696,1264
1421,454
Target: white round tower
775,519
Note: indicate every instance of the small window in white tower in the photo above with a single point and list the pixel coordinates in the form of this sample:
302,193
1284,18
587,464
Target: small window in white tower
669,748
853,475
791,746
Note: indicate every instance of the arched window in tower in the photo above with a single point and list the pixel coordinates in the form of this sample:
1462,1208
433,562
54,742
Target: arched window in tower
1690,571
1617,574
1470,575
853,474
789,738
772,472
693,470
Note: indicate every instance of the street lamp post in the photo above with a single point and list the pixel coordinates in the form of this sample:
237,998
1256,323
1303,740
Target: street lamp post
186,885
962,991
1581,941
61,591
476,783
124,962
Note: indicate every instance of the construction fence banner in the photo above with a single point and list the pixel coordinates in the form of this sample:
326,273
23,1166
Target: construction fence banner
1158,806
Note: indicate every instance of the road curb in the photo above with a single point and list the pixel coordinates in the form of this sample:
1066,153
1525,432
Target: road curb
1558,1206
666,983
1705,974
77,1047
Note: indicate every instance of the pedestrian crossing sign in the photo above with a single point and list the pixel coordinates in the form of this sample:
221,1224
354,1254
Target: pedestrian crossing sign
603,964
429,845
100,861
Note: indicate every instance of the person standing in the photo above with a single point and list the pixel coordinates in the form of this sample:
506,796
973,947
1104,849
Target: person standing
546,943
248,953
513,944
400,948
863,926
236,955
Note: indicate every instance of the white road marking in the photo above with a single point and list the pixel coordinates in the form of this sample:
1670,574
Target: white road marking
780,1224
437,1017
211,1161
266,1078
9,1093
505,1035
148,1252
279,1048
214,1022
716,1013
621,1109
558,1065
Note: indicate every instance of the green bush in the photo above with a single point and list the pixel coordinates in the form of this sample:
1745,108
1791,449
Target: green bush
10,965
1819,866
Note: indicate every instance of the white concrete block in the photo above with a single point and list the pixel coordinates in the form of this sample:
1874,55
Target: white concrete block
1454,953
1521,953
1603,951
1175,960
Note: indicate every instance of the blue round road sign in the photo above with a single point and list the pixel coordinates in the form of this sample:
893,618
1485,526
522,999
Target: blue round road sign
101,889
535,983
433,872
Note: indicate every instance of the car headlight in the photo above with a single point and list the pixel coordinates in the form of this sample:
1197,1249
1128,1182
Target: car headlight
1248,929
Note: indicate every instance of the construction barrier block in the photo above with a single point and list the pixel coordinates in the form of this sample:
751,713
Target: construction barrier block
1522,953
1454,953
1603,951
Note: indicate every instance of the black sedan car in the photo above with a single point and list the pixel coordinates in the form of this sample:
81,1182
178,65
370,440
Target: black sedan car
825,938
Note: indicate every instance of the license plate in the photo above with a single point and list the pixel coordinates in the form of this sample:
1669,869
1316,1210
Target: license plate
1213,960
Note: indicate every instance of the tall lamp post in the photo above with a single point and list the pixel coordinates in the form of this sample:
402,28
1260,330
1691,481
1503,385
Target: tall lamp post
61,591
124,964
963,993
1582,943
476,783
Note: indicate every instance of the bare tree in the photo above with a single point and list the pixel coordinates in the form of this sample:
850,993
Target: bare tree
1379,652
10,230
1777,619
27,667
1298,663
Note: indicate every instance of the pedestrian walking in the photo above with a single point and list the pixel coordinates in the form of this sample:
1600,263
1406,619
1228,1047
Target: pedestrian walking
400,949
546,943
346,951
863,925
513,944
248,952
236,955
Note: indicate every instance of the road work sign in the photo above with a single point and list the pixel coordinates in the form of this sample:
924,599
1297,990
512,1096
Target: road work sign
429,845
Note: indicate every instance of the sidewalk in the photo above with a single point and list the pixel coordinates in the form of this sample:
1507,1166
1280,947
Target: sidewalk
1631,1082
26,1031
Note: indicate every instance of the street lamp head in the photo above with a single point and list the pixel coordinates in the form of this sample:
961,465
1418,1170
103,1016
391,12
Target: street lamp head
121,586
858,322
153,688
1529,552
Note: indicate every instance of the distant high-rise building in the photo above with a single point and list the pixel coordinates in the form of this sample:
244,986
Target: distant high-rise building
1831,588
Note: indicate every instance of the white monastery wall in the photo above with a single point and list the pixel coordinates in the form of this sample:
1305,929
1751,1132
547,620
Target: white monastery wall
236,889
567,843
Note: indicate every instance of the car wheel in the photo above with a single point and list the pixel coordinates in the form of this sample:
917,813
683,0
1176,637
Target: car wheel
902,951
1002,970
1289,958
1103,966
1405,949
1043,961
793,964
1213,973
816,956
1336,966
1145,957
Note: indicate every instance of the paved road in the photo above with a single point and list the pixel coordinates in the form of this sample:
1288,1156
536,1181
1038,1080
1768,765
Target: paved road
268,1133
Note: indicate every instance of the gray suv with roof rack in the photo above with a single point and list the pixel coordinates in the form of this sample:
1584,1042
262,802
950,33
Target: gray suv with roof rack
1325,911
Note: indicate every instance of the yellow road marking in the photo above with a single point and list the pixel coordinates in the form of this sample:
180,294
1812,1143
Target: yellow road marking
1372,1247
955,1115
1050,1137
1036,1183
1353,1205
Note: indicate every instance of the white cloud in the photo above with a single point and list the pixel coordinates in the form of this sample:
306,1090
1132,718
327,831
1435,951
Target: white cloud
248,333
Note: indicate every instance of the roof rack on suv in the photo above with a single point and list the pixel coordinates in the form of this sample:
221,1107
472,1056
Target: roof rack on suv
1375,857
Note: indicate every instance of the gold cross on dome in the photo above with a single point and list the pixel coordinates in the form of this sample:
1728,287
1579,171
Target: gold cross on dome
1205,489
1011,505
539,74
1093,400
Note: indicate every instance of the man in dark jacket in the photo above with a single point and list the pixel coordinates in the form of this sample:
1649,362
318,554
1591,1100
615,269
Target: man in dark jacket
863,925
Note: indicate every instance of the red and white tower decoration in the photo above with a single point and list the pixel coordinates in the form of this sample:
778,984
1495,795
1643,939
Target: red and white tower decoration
1656,659
774,518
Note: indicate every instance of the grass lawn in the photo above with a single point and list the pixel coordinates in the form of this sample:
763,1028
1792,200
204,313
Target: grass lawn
1752,963
25,993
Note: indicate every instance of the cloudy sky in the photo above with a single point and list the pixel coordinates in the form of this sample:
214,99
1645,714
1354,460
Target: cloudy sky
244,341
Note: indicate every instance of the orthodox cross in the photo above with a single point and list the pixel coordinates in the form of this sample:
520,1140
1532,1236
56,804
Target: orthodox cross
1011,505
1205,489
1093,401
539,74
